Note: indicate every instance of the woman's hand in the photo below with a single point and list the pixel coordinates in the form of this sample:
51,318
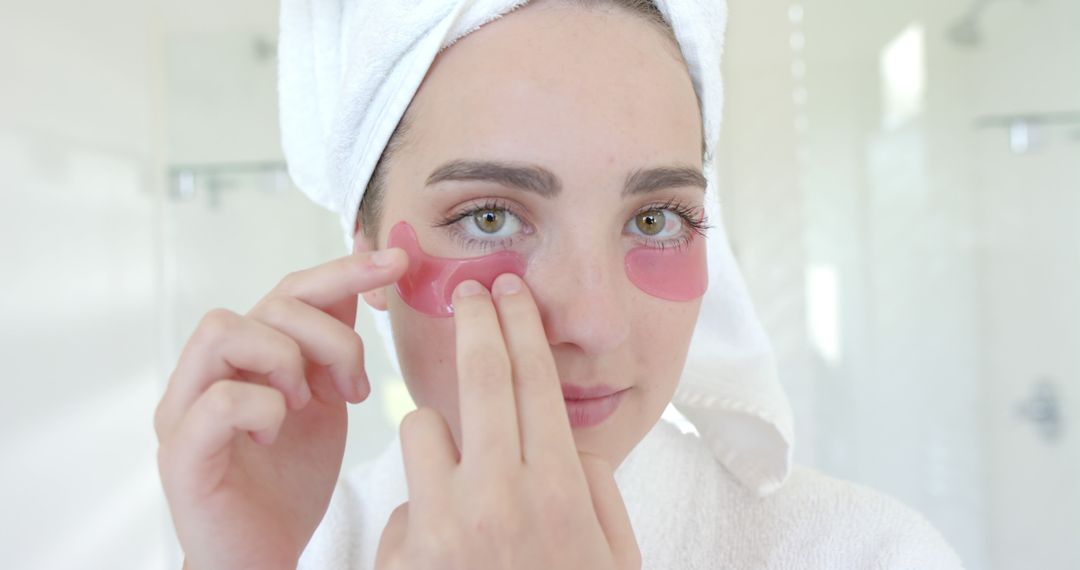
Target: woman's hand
519,495
252,425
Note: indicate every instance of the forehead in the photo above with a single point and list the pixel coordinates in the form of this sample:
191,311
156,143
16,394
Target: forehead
556,84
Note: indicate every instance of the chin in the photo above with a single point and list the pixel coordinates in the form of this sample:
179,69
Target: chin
608,439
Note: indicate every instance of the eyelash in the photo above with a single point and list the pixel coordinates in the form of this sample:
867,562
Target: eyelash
694,221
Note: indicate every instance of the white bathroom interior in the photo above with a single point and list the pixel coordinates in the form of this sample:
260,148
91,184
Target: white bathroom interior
901,183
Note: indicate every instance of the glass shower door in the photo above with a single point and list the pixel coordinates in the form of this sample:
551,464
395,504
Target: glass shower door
902,185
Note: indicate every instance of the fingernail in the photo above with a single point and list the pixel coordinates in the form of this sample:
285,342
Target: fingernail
470,288
382,258
506,284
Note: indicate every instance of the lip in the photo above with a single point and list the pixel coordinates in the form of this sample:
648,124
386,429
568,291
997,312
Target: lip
576,392
590,405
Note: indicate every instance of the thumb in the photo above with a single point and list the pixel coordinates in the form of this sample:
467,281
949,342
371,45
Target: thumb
388,556
611,511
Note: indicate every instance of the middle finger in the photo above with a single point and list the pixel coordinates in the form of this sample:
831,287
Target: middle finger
545,428
323,340
489,429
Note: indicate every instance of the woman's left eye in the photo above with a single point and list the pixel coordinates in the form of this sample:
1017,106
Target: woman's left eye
656,223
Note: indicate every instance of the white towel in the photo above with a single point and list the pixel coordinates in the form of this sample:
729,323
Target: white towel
687,513
348,71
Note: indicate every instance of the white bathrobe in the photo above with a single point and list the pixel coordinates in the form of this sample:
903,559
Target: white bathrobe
687,511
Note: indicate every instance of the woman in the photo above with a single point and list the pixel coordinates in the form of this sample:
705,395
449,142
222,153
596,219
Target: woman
570,141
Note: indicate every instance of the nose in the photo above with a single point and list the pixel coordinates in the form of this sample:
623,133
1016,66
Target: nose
581,295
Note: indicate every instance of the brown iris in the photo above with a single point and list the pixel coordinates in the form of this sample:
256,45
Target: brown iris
651,222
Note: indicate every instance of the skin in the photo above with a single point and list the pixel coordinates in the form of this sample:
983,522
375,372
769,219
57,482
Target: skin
591,96
252,425
517,494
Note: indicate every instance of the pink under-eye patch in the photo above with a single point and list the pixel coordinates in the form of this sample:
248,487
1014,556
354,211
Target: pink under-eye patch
428,285
673,274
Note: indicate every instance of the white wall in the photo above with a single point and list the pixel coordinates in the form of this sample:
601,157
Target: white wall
107,273
78,295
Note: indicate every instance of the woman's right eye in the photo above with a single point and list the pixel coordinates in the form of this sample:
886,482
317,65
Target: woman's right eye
491,223
485,225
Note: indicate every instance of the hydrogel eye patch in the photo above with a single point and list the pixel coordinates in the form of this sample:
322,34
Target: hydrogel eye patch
428,285
673,274
429,282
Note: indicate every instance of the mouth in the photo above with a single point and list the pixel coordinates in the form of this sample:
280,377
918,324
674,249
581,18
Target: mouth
589,406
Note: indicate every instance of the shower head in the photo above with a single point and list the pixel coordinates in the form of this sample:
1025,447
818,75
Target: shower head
967,30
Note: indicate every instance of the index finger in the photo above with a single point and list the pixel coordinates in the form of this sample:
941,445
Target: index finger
325,286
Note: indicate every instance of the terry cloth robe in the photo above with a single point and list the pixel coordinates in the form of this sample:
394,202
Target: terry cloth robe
688,513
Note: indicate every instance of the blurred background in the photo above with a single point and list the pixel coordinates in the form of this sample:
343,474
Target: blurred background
902,188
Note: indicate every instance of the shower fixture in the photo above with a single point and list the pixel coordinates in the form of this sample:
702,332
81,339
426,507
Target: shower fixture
264,49
967,30
1026,129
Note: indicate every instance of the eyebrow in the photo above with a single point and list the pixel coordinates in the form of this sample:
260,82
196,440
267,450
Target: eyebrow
533,178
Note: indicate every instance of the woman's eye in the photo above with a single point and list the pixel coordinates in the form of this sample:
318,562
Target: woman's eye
493,222
489,221
657,223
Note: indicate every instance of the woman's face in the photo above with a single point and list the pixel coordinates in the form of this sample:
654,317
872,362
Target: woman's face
586,98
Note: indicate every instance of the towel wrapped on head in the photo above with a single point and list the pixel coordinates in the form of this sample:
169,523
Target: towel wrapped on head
350,68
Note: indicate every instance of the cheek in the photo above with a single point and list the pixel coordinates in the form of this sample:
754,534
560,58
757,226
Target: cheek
425,350
661,338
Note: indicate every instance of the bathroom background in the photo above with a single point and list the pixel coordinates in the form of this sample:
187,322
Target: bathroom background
902,187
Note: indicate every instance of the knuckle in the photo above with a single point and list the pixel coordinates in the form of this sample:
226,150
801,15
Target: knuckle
215,324
554,504
164,465
555,501
159,420
354,348
400,515
292,357
287,358
438,544
408,426
274,309
220,399
495,515
289,282
278,406
352,271
417,422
